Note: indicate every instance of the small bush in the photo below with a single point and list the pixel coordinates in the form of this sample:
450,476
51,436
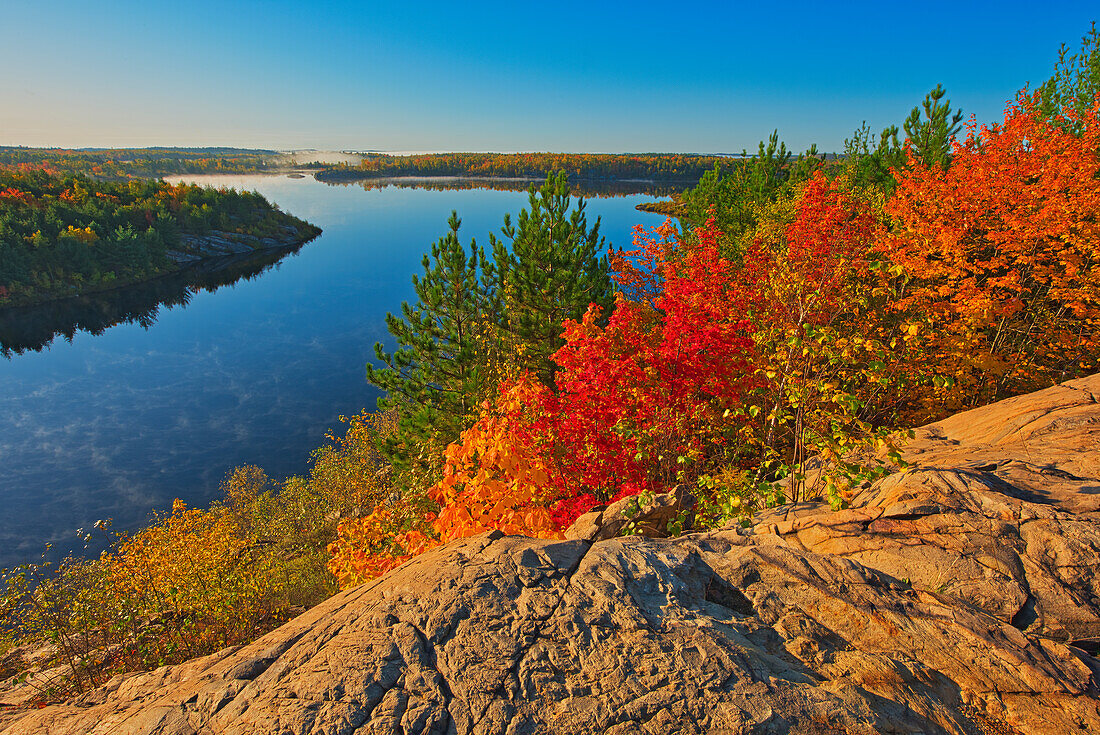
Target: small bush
195,580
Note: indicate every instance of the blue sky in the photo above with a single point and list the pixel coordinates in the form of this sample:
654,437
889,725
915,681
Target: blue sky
559,76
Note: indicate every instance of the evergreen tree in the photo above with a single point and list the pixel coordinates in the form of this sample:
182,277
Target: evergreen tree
434,380
548,268
929,130
929,138
1075,83
870,166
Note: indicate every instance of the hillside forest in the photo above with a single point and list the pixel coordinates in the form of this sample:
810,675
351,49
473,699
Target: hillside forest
769,346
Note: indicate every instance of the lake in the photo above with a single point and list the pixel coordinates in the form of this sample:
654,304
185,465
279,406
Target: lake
215,372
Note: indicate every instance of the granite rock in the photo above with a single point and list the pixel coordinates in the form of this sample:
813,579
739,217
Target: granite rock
959,596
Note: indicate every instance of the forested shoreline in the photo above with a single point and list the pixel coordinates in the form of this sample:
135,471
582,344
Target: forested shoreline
579,167
121,164
588,188
68,235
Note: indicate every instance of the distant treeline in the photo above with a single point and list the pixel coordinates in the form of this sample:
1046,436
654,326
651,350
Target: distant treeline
66,235
681,167
127,163
587,188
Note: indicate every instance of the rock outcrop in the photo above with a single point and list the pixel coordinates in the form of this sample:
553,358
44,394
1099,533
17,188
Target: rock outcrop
639,515
960,596
214,244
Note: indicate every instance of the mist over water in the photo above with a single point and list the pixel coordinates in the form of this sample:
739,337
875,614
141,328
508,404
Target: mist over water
255,371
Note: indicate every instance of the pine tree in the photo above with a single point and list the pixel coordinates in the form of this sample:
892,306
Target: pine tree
868,164
434,380
1075,84
927,137
930,139
548,268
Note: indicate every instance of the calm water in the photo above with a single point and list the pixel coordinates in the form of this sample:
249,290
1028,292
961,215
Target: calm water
117,424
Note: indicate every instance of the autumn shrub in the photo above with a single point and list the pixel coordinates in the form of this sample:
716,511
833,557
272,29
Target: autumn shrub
498,476
834,360
349,475
199,578
58,611
196,580
641,399
189,584
636,406
732,494
1001,254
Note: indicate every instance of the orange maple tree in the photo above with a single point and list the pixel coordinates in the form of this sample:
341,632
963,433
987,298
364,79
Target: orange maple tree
496,477
1002,253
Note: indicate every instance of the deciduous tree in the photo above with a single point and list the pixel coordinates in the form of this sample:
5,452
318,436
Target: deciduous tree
1003,249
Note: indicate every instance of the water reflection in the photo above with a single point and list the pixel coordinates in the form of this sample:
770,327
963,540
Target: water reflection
33,328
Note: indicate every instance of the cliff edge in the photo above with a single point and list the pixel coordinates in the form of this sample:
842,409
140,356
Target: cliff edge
959,596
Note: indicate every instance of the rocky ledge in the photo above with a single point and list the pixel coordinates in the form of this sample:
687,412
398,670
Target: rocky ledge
193,248
960,596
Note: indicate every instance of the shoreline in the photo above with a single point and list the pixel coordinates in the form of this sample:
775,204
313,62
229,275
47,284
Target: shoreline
209,247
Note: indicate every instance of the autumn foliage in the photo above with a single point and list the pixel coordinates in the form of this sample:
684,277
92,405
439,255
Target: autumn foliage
1004,252
190,566
643,394
495,478
820,329
843,316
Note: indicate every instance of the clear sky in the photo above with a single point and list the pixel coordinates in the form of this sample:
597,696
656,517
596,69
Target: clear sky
508,76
